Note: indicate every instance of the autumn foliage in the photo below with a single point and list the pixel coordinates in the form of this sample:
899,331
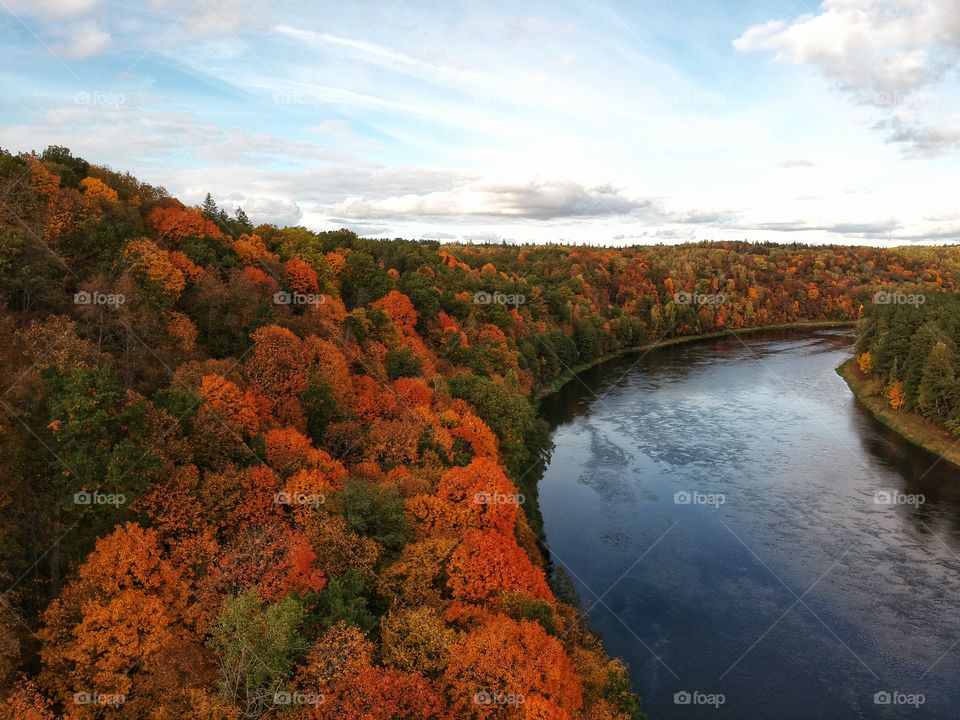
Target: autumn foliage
342,485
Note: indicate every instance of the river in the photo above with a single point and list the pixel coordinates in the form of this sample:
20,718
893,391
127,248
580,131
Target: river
750,540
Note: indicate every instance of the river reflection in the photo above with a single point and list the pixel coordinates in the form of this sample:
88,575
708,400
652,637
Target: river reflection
721,506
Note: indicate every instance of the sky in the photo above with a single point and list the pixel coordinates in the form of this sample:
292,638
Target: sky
587,121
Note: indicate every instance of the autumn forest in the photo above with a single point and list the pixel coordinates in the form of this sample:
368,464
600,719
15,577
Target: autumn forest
260,471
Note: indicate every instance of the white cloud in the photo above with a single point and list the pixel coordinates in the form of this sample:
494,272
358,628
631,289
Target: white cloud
486,237
922,140
881,46
537,199
52,9
894,55
85,40
205,18
270,210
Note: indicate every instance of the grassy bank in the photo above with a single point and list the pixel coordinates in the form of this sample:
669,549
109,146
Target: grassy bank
909,425
563,379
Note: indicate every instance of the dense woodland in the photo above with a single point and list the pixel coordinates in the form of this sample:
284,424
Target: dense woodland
909,349
260,471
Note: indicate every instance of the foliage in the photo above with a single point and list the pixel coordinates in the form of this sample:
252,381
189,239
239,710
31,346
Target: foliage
257,646
300,482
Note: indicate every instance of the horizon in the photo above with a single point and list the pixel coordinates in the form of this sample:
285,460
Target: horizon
597,122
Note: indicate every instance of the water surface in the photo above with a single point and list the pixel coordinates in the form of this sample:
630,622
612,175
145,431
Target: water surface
783,584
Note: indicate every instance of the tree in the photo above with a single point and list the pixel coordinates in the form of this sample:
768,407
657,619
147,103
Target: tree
256,645
276,365
402,362
363,280
895,394
26,702
939,391
416,639
155,269
506,658
241,219
384,694
343,600
301,278
375,512
478,496
209,207
488,562
176,223
127,605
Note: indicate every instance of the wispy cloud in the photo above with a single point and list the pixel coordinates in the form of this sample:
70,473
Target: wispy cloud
592,122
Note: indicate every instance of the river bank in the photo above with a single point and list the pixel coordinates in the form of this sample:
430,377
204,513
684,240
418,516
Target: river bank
571,373
909,425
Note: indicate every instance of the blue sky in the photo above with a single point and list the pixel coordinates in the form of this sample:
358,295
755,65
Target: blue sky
583,120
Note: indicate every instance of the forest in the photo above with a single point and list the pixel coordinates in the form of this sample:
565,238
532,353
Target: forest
253,471
907,346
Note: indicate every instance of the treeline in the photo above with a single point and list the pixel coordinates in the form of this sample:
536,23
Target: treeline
261,470
907,343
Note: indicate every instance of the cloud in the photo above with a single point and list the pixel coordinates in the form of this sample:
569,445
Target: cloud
664,234
537,199
921,140
86,39
892,55
694,217
795,163
875,229
52,9
877,45
206,19
270,210
484,237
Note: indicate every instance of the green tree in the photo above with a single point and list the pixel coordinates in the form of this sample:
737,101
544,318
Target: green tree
363,280
374,512
344,599
402,362
939,391
257,646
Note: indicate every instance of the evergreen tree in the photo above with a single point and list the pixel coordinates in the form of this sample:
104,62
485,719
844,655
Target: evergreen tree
939,390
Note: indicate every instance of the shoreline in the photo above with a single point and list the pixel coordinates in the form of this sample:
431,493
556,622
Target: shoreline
571,373
909,425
